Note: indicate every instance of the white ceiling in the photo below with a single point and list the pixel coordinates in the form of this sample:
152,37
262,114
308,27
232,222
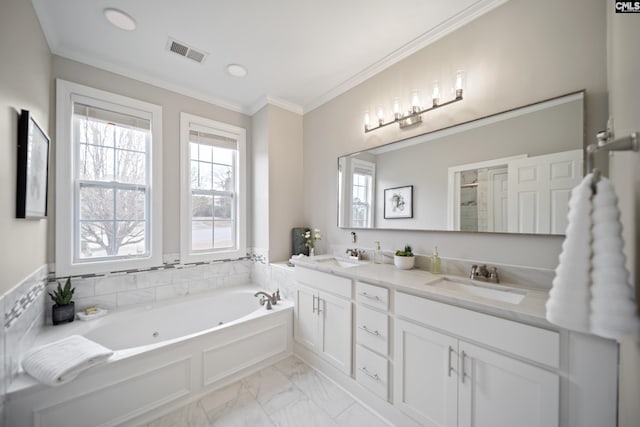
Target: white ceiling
299,53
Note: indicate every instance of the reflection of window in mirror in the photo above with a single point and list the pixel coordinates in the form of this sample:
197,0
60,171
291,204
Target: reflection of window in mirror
362,179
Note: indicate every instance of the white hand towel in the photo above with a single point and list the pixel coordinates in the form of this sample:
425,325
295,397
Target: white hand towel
613,310
568,304
61,361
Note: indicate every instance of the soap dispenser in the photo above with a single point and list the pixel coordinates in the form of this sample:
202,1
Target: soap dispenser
435,262
377,254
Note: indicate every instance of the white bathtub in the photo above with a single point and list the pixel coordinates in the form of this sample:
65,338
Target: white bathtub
166,355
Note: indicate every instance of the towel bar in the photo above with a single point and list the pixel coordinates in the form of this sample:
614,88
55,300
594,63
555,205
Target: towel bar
628,143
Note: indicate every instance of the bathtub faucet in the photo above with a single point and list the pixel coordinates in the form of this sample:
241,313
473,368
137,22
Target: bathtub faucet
269,299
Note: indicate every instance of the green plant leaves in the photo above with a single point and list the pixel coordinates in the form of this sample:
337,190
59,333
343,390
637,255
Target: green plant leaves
63,296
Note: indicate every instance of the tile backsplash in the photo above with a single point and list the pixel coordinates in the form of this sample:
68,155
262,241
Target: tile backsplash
27,307
23,308
118,290
276,276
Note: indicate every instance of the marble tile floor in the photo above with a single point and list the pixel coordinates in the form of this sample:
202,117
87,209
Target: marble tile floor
287,394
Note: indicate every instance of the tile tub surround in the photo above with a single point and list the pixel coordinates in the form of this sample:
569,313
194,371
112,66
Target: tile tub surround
118,290
289,393
23,308
275,276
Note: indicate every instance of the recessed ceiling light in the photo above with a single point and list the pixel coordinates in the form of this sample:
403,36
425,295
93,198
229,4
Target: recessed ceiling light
236,70
119,19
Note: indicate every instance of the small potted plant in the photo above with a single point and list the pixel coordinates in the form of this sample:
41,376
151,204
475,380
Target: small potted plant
64,310
404,259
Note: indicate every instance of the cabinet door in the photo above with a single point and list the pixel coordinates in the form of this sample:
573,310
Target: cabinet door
498,391
335,331
305,325
425,375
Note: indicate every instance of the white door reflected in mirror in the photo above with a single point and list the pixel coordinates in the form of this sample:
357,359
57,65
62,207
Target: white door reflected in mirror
519,194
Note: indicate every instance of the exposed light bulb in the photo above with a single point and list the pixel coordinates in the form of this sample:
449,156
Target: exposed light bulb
435,94
460,83
396,108
415,101
380,115
367,120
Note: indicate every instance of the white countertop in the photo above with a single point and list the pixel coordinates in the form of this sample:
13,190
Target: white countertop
420,283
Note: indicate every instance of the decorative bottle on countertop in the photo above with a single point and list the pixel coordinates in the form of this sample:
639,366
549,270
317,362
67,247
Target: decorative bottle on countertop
377,254
435,262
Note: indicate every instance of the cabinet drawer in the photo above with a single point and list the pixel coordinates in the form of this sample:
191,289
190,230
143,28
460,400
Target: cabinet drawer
324,281
372,372
374,296
526,341
372,329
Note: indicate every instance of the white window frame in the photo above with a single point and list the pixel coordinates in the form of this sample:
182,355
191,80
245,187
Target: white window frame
66,161
357,164
188,122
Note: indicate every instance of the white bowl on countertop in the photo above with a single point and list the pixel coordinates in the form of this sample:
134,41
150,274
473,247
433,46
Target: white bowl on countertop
404,262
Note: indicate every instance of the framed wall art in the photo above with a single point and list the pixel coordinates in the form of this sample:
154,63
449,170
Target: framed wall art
33,168
398,202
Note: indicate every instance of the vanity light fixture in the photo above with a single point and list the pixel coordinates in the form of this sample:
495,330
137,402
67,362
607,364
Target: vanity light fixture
119,19
414,114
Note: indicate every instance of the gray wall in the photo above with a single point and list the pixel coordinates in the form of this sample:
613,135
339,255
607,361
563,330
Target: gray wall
277,168
260,171
285,180
172,104
624,103
519,53
25,83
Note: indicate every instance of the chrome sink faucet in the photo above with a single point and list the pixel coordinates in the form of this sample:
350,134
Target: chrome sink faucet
268,299
355,253
484,274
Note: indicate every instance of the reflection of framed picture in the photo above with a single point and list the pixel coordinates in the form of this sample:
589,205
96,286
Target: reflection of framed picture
33,168
398,202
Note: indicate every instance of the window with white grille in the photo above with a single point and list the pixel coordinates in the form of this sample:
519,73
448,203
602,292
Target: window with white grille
213,213
108,204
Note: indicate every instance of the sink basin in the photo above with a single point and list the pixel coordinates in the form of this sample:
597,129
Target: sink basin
475,289
340,262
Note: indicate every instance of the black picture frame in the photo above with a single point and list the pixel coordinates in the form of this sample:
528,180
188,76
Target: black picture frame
398,202
33,168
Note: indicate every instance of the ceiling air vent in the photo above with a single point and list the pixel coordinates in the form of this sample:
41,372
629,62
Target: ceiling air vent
184,50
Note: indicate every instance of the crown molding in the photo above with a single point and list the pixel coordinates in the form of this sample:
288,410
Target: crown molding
462,18
148,79
278,102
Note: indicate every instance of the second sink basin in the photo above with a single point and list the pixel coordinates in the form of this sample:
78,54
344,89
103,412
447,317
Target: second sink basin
488,291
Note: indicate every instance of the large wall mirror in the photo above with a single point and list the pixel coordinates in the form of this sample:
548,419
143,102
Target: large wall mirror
511,172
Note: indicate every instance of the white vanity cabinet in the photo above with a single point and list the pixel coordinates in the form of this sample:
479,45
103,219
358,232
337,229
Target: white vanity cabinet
372,338
322,316
422,362
497,390
442,380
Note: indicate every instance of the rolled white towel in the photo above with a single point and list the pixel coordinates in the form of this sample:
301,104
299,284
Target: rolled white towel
61,361
606,213
607,229
605,260
607,246
613,310
568,303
